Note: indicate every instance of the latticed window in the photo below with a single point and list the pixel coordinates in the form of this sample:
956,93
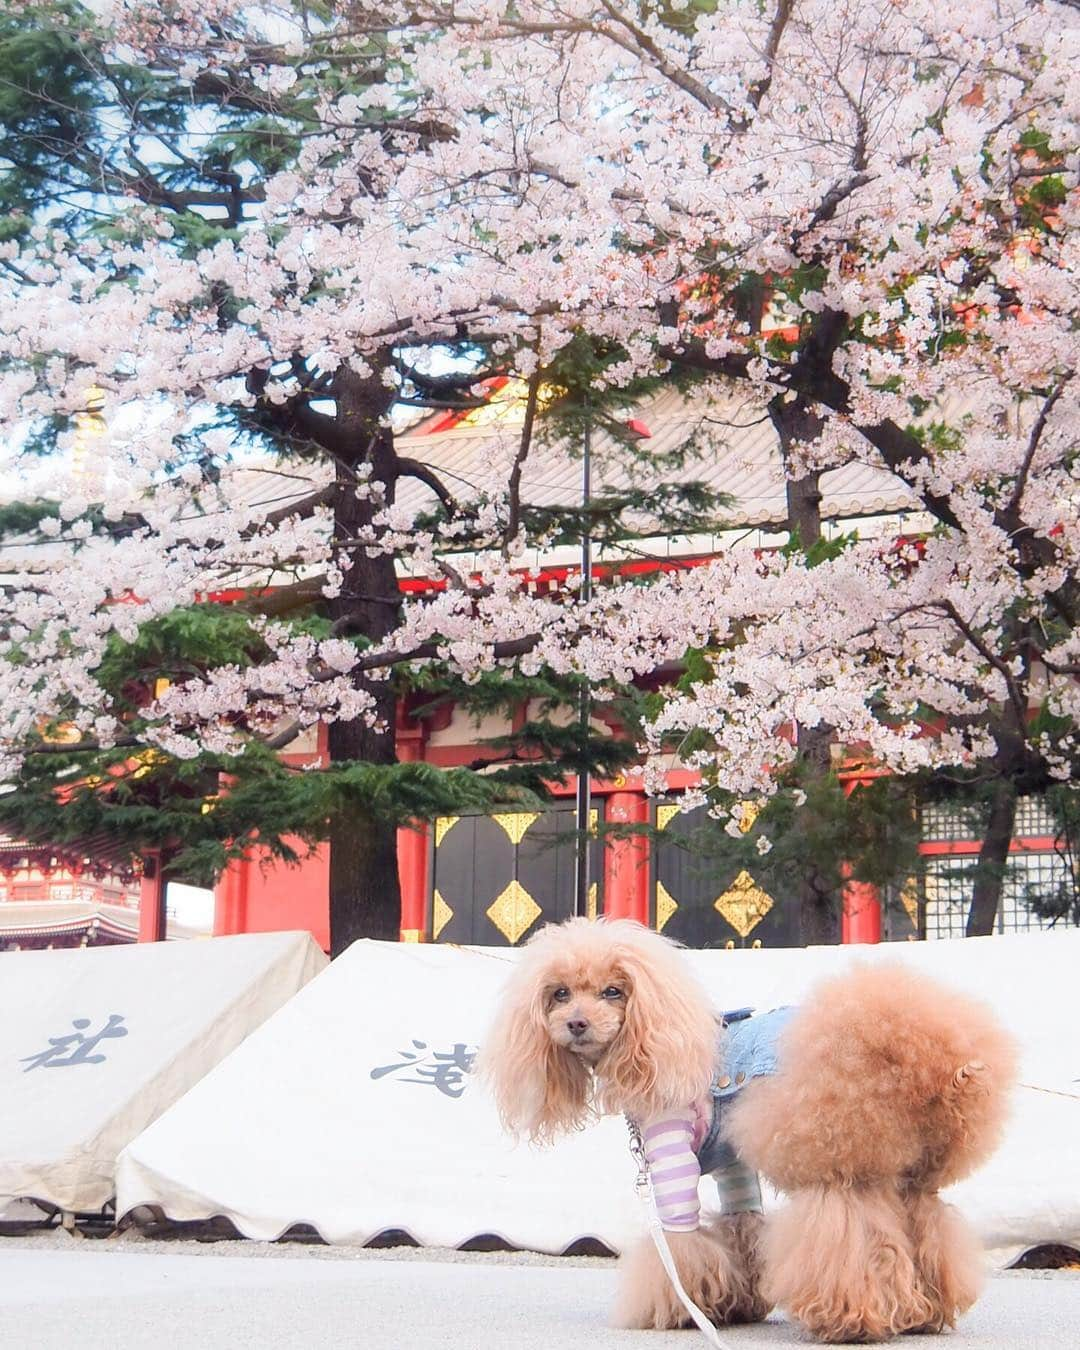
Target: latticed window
1041,874
947,822
953,822
947,887
946,896
1034,819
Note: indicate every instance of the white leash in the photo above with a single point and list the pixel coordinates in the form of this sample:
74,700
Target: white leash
643,1186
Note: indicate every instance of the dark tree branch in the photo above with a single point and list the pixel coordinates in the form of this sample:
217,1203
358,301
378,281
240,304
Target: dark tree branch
458,382
682,79
303,507
282,738
413,468
513,521
82,747
1037,430
285,599
442,404
1016,698
829,204
772,46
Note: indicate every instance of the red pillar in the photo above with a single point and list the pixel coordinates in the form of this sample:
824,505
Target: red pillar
626,861
861,921
412,852
230,899
412,848
152,899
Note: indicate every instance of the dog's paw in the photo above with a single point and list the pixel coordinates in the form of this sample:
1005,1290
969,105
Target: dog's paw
717,1268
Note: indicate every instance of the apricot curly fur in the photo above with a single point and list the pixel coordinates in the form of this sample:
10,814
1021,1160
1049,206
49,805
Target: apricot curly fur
718,1265
663,1055
882,1074
888,1087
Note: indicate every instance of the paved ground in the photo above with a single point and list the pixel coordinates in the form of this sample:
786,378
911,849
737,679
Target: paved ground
61,1292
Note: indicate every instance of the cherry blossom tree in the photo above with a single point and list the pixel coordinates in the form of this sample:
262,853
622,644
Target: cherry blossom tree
153,160
860,215
897,185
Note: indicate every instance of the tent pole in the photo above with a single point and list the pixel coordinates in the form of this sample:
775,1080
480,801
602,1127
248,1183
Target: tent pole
581,878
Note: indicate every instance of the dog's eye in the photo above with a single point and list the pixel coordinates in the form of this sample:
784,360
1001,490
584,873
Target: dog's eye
561,994
612,991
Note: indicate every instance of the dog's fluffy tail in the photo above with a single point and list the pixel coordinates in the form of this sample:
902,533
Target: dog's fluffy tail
883,1074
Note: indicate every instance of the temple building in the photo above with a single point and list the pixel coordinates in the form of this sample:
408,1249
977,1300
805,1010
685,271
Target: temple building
48,899
494,879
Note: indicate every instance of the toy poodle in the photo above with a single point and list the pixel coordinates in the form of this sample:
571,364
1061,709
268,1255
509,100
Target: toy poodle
859,1105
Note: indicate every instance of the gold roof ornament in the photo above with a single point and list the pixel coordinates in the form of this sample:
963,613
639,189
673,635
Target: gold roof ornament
909,898
747,813
665,815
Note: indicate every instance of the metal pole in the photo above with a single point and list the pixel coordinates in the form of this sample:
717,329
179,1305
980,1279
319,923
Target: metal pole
581,879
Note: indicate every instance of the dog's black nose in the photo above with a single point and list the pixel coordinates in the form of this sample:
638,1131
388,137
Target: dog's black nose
578,1027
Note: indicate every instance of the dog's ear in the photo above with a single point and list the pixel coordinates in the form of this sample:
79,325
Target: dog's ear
540,1089
665,1055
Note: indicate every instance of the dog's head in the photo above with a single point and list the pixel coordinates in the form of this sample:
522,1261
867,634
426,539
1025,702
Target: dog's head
597,1015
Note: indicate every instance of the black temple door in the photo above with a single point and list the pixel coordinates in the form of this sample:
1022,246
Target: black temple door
496,879
702,902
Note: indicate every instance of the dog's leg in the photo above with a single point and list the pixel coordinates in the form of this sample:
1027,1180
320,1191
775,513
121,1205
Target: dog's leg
948,1263
744,1232
718,1267
840,1261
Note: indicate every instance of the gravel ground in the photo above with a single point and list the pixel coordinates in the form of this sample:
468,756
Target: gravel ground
133,1293
57,1239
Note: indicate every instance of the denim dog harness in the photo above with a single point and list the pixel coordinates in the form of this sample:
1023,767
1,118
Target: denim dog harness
748,1049
680,1145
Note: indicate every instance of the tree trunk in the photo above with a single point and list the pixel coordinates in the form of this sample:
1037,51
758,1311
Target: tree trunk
365,897
820,903
818,898
365,894
993,860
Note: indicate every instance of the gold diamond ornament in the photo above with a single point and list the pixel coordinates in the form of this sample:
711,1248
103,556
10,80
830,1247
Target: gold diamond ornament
515,823
909,898
744,904
513,912
748,812
666,905
443,826
441,914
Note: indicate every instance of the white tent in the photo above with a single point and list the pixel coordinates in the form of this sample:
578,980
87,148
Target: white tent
353,1110
96,1043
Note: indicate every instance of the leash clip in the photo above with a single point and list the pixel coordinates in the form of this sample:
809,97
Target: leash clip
642,1184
